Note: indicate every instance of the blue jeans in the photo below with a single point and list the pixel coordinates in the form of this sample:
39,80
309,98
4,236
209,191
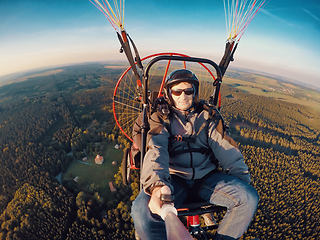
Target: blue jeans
240,198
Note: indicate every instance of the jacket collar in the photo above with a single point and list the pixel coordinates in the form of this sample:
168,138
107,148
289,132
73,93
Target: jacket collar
182,112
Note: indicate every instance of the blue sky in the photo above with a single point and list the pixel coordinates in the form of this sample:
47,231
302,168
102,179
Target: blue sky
281,39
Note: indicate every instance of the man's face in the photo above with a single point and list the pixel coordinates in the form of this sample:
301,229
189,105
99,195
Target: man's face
185,99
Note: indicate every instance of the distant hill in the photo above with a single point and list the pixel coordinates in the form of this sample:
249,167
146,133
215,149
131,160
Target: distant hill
254,82
20,76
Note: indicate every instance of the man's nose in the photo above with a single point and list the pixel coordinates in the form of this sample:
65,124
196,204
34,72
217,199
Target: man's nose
183,94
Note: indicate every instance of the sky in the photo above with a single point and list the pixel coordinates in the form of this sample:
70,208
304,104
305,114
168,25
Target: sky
282,39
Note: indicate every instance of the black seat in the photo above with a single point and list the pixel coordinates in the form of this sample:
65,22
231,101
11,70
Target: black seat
199,208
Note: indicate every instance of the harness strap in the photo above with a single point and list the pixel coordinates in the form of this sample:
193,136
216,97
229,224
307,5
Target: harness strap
202,150
214,115
180,138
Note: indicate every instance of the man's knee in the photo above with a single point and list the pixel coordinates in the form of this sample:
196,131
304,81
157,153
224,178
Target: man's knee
250,198
255,196
139,208
147,224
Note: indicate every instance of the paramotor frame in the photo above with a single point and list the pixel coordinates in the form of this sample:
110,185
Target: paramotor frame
128,97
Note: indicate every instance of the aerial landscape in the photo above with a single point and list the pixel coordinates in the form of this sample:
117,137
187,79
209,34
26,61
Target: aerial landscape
56,123
71,89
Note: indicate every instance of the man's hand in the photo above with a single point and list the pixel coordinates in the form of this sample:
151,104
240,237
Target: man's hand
155,203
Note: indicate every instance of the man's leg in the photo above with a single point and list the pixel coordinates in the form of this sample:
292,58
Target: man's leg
147,224
240,198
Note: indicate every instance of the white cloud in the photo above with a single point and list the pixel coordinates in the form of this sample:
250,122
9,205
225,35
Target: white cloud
277,18
311,14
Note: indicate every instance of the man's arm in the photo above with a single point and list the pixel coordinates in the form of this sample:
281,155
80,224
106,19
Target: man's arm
155,170
229,156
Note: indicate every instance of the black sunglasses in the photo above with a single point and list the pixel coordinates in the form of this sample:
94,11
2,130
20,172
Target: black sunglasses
178,92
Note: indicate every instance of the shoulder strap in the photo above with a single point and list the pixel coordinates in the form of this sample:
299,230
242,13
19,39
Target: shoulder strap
221,126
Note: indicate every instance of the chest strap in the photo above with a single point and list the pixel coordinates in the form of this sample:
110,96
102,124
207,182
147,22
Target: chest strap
202,150
180,138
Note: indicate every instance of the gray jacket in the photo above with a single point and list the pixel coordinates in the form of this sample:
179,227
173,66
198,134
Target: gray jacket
160,161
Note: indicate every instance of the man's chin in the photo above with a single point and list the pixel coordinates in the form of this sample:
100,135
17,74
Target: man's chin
184,108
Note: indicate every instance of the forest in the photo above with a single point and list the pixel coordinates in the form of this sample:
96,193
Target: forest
45,118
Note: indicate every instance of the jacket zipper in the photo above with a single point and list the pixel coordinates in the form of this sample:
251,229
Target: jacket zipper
191,157
191,161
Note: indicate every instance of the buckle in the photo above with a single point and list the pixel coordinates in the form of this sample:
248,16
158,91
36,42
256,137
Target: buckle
178,138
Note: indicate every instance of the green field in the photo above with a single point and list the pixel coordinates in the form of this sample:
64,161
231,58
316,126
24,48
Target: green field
100,175
271,87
